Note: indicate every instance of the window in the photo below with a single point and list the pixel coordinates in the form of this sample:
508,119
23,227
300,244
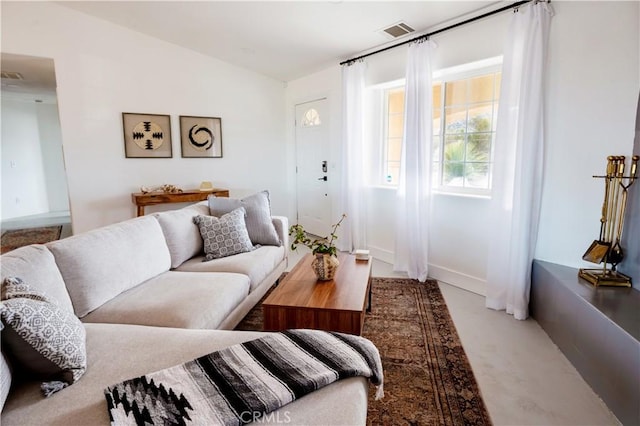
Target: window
465,107
311,118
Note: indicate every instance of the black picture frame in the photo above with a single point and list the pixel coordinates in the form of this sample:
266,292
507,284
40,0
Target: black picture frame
200,137
147,135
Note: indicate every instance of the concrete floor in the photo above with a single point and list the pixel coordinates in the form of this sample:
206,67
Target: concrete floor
523,376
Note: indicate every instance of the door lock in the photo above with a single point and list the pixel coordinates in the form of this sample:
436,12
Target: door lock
324,167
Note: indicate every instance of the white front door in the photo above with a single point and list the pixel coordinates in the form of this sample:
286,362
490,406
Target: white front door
312,165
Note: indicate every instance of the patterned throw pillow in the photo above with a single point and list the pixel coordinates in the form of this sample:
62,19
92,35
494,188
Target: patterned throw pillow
224,236
257,217
43,340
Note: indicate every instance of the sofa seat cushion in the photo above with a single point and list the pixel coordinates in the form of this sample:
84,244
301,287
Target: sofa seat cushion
176,299
256,264
36,265
119,352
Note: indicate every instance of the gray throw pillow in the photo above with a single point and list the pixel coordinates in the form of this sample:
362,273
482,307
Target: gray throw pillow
224,236
45,341
258,216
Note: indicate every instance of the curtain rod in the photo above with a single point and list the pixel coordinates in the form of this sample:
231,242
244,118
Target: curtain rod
426,36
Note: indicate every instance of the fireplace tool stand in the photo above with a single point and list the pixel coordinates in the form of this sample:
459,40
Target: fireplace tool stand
607,249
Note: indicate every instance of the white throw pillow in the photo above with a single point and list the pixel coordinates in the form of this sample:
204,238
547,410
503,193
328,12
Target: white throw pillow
258,216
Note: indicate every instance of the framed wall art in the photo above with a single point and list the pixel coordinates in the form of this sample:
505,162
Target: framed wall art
147,135
201,137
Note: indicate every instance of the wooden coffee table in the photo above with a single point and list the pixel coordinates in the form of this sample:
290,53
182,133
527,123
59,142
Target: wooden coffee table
301,301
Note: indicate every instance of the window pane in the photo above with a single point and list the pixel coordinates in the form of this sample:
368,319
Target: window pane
396,101
437,96
477,175
456,92
455,120
393,173
480,118
498,81
394,150
481,88
311,118
454,148
396,123
453,173
478,147
437,107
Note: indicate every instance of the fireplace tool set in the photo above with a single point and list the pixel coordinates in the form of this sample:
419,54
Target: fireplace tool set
607,249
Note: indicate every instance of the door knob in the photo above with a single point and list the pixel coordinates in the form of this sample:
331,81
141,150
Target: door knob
324,178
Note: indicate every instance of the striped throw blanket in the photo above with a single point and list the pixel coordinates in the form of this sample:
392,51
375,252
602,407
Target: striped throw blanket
241,383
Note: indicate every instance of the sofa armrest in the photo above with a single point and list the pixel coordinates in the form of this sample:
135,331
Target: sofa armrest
282,229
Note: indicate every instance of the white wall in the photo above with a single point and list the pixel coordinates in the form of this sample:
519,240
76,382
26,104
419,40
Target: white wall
593,92
103,70
593,86
24,190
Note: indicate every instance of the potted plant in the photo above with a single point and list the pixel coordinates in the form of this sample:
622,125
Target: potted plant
325,260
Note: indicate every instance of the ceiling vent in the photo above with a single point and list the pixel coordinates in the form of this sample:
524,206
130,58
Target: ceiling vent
11,75
398,30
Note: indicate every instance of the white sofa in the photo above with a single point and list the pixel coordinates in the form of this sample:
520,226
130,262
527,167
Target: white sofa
148,302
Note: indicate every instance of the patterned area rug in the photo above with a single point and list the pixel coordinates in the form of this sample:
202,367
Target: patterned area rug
15,238
428,378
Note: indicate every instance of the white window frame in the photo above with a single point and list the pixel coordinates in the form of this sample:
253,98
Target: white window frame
462,72
465,71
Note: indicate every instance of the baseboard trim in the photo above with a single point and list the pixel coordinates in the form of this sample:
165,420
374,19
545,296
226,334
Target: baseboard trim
440,273
458,279
381,254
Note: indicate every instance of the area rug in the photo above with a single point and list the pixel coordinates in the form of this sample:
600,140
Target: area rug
15,238
428,378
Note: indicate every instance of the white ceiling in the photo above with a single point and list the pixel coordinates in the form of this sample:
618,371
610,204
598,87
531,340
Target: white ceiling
280,39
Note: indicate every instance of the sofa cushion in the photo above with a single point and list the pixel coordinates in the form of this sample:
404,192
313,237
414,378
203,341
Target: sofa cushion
258,215
176,299
100,264
182,235
119,352
36,265
224,236
46,342
256,264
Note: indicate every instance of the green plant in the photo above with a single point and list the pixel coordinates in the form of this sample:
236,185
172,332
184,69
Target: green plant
322,245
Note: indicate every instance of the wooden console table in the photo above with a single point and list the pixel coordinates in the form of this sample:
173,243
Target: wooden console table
142,200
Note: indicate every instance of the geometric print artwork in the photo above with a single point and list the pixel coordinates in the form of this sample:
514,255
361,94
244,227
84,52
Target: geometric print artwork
46,340
224,236
245,382
148,135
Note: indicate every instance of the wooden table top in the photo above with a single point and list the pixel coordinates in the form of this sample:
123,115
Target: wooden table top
347,291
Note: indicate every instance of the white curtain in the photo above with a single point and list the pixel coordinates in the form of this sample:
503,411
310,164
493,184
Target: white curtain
413,196
518,161
353,233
